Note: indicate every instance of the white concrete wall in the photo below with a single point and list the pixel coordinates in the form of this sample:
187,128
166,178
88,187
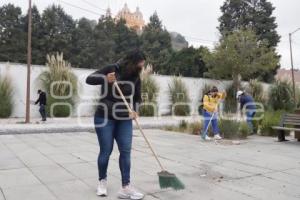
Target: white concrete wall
87,93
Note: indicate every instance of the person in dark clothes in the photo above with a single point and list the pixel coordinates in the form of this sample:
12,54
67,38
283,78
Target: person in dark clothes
247,101
42,100
112,120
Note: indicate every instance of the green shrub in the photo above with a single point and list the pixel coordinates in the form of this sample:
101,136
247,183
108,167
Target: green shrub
149,91
182,127
230,105
59,70
232,129
298,96
195,128
255,89
179,95
59,110
244,130
6,94
183,124
257,122
185,127
271,118
281,96
204,91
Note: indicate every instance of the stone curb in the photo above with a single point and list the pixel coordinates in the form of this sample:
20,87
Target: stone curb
70,128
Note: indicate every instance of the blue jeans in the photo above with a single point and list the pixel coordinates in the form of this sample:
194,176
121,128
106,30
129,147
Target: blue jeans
214,122
250,115
121,131
42,111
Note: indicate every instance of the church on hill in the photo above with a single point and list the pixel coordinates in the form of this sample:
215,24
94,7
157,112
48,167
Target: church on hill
133,20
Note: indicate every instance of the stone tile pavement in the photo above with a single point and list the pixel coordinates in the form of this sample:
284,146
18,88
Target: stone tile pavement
62,166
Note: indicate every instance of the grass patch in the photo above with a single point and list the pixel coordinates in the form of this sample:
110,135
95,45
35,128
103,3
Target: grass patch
59,72
281,96
185,127
232,129
149,107
271,118
179,97
6,94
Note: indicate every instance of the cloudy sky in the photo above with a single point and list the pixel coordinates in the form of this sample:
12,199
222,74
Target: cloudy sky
195,19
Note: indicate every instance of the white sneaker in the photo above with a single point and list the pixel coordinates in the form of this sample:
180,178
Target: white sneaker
207,138
129,192
217,137
102,188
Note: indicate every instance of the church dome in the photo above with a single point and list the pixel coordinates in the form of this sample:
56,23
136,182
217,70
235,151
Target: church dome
138,12
133,20
125,9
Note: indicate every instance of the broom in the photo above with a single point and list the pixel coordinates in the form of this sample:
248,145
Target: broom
166,179
206,130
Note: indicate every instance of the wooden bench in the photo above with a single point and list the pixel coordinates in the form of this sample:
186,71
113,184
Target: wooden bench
287,119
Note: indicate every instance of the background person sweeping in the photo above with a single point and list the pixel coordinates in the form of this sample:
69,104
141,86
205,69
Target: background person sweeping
247,101
42,100
210,112
114,122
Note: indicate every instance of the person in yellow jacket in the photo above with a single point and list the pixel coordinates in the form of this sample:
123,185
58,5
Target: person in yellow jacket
210,112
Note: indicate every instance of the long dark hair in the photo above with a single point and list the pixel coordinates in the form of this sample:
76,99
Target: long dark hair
128,65
214,89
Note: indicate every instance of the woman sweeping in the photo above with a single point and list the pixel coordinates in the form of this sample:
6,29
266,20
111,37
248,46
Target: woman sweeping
210,113
112,120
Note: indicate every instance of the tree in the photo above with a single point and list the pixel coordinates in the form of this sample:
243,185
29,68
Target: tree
252,14
125,39
12,38
90,44
38,56
58,29
156,43
240,54
188,62
83,44
104,45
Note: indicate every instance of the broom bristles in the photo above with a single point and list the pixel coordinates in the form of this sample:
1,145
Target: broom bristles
169,180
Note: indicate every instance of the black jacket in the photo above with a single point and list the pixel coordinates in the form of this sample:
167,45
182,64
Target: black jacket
42,99
111,105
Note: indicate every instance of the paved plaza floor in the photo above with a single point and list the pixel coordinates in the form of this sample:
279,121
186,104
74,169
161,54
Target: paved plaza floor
63,166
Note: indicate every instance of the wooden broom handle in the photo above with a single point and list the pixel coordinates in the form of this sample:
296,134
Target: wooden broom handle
138,125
